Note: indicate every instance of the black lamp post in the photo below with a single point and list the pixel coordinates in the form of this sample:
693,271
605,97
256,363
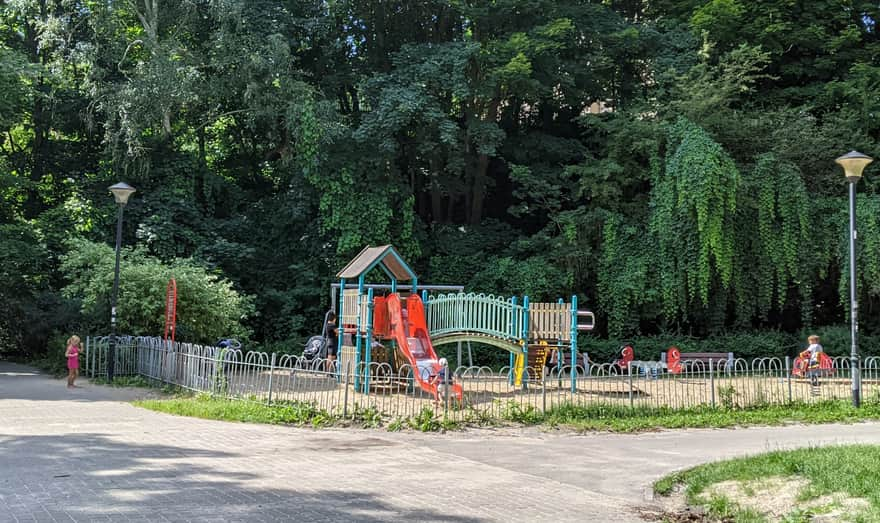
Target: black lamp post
853,164
121,191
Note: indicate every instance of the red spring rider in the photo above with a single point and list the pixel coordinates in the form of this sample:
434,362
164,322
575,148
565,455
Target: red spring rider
625,355
673,360
803,367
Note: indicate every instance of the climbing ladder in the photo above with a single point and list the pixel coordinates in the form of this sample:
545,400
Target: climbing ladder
537,355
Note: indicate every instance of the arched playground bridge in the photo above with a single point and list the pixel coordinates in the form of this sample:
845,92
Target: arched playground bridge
501,322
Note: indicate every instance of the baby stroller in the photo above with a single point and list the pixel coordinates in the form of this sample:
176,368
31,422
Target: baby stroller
316,346
226,359
228,343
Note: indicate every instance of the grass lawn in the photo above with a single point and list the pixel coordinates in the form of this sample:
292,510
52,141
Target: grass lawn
587,418
622,419
815,484
206,407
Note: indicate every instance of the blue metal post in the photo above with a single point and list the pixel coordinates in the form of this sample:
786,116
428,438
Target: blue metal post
369,342
393,284
512,369
512,375
559,358
514,332
341,338
425,307
574,342
357,336
415,285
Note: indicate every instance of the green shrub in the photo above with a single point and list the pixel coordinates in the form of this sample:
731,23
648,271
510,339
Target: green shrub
743,344
208,307
424,421
525,414
54,361
367,417
836,341
30,310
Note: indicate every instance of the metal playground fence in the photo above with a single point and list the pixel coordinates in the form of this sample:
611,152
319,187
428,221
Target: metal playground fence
486,393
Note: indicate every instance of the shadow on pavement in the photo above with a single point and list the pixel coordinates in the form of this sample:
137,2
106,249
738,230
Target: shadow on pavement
27,383
84,476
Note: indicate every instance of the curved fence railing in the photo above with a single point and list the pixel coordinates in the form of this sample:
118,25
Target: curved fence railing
328,388
475,314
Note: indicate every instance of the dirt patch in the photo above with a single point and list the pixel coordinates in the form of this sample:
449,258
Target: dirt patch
673,508
838,506
775,497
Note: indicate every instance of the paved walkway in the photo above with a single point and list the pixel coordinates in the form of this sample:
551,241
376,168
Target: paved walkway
85,455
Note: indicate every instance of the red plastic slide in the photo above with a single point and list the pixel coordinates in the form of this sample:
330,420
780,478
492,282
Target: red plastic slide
411,334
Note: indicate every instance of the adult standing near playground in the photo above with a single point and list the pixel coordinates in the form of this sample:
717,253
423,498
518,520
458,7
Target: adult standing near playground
72,355
331,334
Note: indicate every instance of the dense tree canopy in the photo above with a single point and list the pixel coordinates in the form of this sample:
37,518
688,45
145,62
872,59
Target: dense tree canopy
670,161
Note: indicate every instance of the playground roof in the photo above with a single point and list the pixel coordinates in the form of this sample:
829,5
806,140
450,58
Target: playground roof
385,255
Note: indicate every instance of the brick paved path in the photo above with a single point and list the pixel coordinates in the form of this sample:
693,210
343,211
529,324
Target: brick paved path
85,455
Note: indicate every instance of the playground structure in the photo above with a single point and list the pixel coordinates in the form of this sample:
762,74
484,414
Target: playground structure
412,324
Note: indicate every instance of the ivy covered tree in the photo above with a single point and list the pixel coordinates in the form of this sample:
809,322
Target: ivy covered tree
776,252
693,204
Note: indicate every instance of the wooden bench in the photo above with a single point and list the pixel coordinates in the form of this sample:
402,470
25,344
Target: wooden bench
676,361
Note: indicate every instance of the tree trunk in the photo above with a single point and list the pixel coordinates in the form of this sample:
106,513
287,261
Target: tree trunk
149,18
380,56
437,203
450,208
203,167
344,106
436,191
479,170
478,189
39,117
355,100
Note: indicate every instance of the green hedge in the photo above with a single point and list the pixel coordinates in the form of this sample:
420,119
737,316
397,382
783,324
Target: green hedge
743,344
748,345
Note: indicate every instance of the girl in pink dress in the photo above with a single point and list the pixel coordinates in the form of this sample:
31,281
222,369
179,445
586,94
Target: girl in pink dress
72,354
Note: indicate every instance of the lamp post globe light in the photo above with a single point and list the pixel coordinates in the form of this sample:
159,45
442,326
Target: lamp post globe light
853,164
121,192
